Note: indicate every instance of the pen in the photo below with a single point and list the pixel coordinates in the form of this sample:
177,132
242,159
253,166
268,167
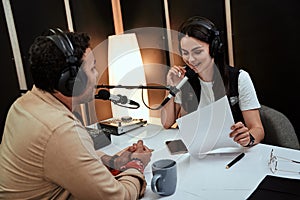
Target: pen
239,157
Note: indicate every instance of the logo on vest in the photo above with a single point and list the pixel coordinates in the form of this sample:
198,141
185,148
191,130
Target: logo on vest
234,100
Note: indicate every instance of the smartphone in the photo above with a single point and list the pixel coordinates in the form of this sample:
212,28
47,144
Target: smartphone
176,147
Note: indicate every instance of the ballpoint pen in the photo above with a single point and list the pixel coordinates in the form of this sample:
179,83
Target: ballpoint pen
239,157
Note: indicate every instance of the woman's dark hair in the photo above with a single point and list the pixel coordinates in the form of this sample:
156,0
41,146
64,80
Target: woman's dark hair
203,29
197,27
47,61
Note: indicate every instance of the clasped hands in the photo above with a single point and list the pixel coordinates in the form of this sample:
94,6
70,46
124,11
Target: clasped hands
136,151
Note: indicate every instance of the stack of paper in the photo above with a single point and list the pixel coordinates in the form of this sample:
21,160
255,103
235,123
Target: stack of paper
207,129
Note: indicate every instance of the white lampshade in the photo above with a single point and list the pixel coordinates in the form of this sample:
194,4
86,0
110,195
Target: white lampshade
125,67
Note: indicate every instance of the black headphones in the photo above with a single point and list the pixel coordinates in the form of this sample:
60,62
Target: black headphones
72,80
216,45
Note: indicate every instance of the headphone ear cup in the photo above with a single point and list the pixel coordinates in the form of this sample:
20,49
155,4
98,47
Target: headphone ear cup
216,47
72,83
72,80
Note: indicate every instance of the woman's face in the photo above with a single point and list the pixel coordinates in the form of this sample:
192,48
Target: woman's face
195,54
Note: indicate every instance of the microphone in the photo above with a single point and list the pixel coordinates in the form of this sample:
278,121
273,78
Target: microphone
189,74
116,99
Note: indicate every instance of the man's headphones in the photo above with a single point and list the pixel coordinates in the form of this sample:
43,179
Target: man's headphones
72,80
216,46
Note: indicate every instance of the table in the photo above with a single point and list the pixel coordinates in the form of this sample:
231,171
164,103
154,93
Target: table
205,178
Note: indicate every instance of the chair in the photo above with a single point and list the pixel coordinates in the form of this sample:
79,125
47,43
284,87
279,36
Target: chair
279,130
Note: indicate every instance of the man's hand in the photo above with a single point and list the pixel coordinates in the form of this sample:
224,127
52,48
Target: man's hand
124,157
141,152
137,150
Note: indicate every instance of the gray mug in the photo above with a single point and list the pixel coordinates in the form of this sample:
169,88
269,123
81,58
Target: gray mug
164,178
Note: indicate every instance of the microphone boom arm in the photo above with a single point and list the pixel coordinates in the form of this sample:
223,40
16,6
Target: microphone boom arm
173,90
133,87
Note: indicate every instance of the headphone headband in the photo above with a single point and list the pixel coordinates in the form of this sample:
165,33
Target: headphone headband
63,43
206,24
71,81
216,46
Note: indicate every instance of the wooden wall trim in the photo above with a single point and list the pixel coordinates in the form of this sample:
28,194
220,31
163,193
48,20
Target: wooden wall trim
229,32
14,44
169,34
117,15
69,16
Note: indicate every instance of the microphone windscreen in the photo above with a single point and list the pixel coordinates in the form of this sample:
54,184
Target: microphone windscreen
103,94
123,99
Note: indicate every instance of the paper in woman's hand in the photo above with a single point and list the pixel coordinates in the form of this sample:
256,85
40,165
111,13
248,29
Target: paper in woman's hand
207,129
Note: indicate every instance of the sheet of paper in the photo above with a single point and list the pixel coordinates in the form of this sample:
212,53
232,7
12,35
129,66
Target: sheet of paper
207,129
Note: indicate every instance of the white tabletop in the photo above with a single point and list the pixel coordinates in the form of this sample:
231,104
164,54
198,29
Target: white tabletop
206,178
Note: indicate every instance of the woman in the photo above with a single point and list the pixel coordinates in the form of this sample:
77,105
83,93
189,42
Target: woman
202,51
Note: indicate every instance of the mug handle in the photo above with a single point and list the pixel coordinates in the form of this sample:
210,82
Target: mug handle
153,183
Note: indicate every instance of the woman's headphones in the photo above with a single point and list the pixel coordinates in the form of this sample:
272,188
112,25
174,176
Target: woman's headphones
72,80
216,46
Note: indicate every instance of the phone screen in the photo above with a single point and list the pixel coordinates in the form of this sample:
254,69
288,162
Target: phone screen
176,147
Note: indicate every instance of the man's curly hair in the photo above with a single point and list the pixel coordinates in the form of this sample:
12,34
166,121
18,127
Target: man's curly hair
47,61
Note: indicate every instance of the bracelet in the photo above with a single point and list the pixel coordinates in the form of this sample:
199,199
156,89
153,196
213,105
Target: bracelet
134,163
114,172
252,140
137,159
112,161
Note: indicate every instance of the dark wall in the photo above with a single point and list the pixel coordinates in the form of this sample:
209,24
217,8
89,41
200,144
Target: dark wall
266,39
140,17
96,18
212,9
32,17
8,75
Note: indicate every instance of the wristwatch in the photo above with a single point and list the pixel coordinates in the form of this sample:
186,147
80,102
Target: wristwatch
252,140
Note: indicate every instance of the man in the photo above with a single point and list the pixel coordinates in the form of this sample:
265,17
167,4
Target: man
46,152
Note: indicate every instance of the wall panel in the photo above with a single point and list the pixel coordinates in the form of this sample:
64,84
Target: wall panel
95,18
147,20
211,9
266,40
32,17
8,76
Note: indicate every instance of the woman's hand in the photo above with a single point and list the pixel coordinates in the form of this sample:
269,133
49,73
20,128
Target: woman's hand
175,75
240,134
